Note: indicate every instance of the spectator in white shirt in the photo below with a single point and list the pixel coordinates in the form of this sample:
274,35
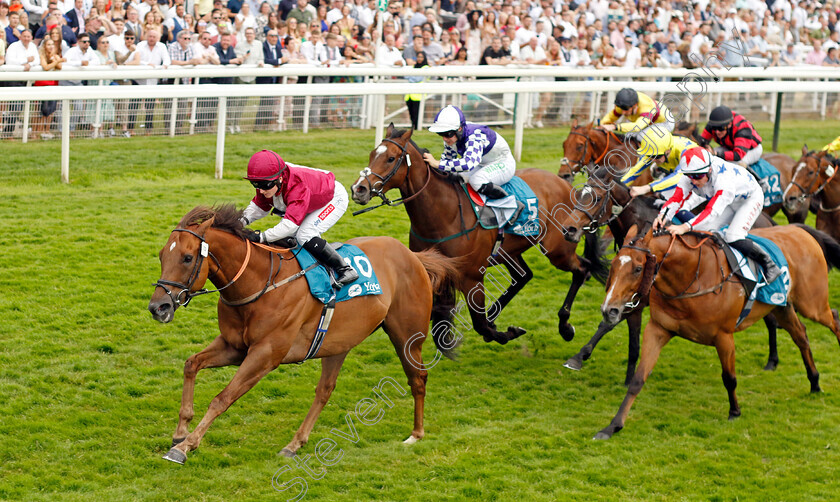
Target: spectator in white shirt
153,53
312,47
388,54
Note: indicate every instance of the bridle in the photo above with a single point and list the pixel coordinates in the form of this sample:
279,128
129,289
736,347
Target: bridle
376,187
583,162
595,220
807,194
186,289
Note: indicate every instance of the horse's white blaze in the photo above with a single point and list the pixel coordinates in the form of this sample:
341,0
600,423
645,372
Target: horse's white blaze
172,246
381,149
622,260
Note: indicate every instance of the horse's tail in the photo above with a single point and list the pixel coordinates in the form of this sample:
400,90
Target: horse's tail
593,252
445,276
830,247
443,271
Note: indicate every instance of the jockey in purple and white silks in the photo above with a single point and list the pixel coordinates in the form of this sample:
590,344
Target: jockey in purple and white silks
474,149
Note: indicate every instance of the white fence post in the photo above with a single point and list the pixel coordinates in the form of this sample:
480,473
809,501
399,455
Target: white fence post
65,141
523,103
220,138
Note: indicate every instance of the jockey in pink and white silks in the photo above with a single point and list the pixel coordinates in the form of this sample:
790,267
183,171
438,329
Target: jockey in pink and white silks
473,149
733,198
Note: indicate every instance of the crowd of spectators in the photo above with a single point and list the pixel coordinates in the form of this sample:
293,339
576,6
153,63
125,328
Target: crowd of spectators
588,33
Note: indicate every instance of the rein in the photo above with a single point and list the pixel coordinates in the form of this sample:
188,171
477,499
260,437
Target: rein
595,221
375,187
609,136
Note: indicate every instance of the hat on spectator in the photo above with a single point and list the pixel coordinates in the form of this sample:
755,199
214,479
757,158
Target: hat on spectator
677,13
733,10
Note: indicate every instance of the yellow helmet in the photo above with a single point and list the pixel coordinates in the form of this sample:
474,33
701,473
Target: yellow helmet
654,140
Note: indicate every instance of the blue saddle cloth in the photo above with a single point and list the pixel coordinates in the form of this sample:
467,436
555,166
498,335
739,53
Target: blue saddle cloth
769,180
320,284
776,292
528,223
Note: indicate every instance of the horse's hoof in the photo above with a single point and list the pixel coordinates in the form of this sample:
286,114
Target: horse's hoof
285,452
567,332
515,332
176,455
177,441
411,440
733,416
602,435
573,364
771,365
816,390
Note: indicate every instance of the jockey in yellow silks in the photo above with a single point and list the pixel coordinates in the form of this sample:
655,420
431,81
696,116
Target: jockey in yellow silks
833,148
640,110
660,147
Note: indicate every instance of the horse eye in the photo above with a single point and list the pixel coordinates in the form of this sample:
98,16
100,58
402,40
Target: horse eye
391,159
580,147
188,258
637,269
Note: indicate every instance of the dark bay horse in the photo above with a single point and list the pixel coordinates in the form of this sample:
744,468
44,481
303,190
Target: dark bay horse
605,201
441,218
815,184
593,146
267,316
784,163
693,295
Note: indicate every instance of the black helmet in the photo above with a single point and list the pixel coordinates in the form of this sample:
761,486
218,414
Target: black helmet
626,98
720,117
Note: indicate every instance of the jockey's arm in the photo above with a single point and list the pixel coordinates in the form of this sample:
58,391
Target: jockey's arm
285,228
640,123
675,203
636,171
716,205
666,183
833,147
253,213
610,117
471,160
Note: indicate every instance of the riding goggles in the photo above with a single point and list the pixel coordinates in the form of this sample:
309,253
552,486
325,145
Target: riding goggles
695,176
263,184
447,134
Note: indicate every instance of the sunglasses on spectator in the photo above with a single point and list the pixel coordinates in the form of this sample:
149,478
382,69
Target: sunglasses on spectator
263,184
447,134
697,176
129,38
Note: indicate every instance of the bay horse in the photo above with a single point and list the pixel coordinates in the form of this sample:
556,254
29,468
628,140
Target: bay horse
693,294
784,163
593,146
815,181
441,218
604,201
267,316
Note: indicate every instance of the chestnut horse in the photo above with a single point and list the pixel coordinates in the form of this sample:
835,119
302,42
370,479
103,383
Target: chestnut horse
605,201
592,146
694,295
441,218
267,316
815,181
784,163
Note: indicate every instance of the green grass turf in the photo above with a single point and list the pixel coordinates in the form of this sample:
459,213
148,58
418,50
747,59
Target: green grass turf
90,384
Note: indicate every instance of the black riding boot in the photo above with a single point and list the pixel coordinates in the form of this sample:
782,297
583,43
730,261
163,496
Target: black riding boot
757,253
492,191
328,256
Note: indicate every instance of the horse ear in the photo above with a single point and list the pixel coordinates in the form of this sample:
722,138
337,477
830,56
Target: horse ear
390,129
407,135
574,122
805,149
202,229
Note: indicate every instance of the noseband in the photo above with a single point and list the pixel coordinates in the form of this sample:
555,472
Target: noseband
582,162
805,194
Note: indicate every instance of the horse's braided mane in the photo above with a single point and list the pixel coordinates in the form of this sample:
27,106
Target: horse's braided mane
396,133
227,218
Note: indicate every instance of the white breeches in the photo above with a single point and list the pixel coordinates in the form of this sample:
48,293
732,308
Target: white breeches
497,166
740,216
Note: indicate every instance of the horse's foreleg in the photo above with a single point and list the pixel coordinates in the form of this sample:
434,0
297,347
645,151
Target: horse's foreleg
443,307
576,361
258,363
330,366
634,327
219,353
474,292
773,356
655,338
520,274
567,331
725,345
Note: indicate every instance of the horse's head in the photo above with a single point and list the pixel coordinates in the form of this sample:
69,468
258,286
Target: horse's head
686,130
813,172
387,168
631,276
183,270
591,208
577,152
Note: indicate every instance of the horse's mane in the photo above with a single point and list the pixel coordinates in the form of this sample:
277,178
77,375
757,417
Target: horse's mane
396,133
227,218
